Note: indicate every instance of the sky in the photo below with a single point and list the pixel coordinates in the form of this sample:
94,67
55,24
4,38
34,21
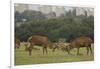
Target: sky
49,8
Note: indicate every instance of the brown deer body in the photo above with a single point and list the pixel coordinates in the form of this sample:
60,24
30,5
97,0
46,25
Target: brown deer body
81,42
39,40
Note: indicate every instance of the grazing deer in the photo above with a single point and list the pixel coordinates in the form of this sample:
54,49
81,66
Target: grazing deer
81,42
61,46
39,40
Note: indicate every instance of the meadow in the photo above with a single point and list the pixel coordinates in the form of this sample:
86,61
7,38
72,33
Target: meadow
22,57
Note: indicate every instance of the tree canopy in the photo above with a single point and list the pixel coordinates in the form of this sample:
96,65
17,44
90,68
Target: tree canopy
67,27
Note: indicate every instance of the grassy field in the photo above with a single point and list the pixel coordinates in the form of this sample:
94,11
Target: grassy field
22,57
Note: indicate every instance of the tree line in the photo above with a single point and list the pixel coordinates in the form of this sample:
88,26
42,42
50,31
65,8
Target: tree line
67,27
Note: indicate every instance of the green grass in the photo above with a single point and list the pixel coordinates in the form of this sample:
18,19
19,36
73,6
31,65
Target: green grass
22,57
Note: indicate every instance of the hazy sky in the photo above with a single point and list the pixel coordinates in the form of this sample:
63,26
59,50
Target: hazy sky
37,7
34,7
48,8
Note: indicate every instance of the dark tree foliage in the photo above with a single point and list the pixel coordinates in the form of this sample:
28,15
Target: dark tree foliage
68,27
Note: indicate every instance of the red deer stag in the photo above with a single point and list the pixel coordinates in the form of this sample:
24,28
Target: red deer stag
81,42
38,40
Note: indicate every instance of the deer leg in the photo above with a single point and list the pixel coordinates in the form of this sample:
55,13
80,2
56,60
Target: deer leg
77,51
90,49
43,50
87,50
30,52
53,50
46,50
68,50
